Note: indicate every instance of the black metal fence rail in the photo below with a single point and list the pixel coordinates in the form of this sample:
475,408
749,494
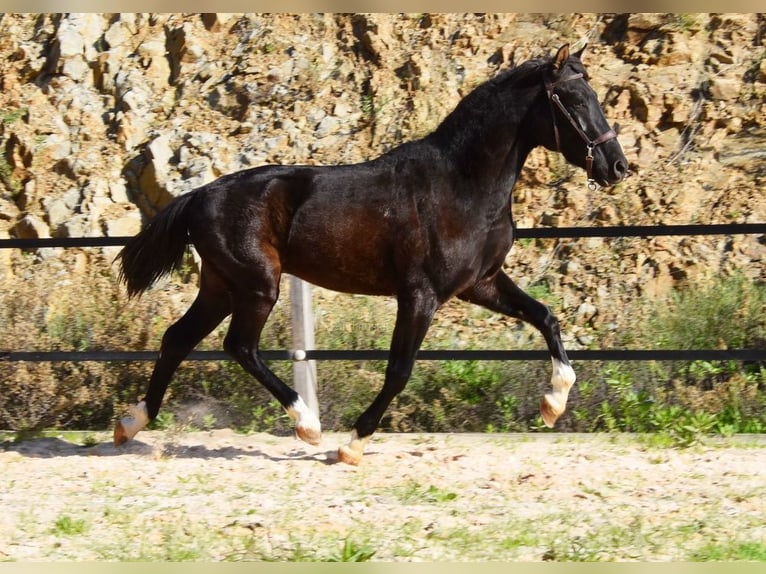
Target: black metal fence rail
441,355
525,233
423,355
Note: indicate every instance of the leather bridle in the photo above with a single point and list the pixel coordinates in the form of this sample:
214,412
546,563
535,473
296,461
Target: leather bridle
590,144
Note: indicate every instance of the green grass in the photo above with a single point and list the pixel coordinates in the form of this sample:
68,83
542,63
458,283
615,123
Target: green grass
182,543
11,116
728,312
352,552
67,526
733,551
7,118
412,492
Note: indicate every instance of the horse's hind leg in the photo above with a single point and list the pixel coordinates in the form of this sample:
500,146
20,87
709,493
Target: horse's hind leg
501,294
209,308
250,310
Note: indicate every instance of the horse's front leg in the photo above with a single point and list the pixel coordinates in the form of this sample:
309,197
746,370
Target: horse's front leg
501,294
414,315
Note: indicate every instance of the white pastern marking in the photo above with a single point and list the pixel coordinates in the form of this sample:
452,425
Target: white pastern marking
357,444
304,417
562,379
563,376
136,419
352,453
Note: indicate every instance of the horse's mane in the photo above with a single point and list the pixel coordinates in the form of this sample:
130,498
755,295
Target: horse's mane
468,120
521,73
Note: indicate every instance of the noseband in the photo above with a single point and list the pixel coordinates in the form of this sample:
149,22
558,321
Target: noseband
590,144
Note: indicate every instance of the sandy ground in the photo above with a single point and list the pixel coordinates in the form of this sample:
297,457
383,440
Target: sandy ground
219,495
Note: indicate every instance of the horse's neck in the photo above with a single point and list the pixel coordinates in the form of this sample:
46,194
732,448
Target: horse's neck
489,145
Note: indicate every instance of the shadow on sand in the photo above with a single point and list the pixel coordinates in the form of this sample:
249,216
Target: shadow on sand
56,447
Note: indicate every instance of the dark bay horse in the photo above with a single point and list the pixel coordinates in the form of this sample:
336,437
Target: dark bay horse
425,222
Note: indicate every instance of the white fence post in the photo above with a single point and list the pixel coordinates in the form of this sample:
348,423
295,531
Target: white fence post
302,317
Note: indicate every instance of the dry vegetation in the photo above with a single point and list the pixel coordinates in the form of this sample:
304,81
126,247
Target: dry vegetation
57,310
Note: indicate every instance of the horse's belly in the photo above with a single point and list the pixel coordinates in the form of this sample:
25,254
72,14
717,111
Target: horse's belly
337,259
345,283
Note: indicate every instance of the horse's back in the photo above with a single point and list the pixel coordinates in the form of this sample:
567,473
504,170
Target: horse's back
331,225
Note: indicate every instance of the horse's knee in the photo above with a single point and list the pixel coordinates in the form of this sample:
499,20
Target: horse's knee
238,349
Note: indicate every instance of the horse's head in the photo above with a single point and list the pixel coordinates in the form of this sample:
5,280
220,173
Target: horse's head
578,128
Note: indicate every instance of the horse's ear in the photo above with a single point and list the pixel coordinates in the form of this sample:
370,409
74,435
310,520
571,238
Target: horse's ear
578,54
561,57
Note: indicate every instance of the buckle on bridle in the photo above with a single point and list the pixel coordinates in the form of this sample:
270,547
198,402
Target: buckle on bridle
589,168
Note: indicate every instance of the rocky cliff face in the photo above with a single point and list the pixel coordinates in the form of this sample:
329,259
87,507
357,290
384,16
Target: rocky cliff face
106,117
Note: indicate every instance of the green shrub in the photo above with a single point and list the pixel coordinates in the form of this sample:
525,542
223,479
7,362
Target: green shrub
727,313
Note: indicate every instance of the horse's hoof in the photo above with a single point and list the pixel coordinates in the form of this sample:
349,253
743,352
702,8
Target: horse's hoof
127,427
549,413
349,456
309,435
120,436
307,425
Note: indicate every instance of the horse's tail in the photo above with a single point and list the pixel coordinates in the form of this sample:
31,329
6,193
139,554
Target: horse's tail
157,249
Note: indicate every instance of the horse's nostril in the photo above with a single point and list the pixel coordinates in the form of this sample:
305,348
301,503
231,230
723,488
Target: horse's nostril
619,169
